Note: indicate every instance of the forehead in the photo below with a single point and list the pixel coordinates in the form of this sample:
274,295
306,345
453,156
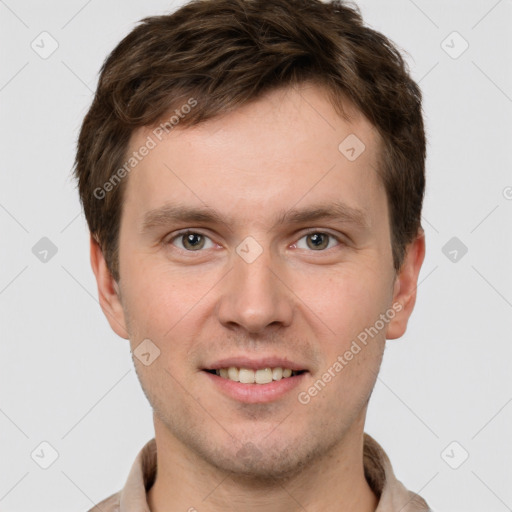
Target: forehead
289,147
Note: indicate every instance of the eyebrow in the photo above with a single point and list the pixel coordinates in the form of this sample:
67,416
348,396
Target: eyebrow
169,213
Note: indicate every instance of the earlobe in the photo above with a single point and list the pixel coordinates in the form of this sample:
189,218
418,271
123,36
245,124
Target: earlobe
108,291
406,284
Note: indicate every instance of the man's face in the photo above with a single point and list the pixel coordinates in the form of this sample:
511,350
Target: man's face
260,281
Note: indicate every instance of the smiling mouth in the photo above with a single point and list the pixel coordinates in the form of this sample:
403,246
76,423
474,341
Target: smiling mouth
260,376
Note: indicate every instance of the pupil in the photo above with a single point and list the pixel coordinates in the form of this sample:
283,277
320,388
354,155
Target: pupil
193,240
318,240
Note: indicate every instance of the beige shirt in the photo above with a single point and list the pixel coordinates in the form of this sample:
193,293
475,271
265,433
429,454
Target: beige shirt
393,496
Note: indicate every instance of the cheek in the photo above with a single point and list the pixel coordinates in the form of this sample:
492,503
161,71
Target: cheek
347,301
159,298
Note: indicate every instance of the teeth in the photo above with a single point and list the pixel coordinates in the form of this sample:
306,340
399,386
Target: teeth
263,376
277,373
248,376
233,373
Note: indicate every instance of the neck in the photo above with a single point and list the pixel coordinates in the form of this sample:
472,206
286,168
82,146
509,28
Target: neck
185,482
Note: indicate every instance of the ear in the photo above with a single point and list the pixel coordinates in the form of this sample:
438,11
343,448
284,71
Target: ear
406,284
108,291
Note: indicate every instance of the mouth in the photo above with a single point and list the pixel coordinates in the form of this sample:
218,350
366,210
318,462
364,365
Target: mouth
255,376
255,381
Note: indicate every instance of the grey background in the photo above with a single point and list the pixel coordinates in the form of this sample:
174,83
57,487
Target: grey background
68,380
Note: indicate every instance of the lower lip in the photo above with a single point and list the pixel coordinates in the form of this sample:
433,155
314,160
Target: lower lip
256,393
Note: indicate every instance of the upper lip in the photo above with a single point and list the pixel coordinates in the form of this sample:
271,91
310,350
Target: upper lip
255,364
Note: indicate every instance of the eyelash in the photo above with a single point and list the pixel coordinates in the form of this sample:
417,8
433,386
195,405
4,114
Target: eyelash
181,234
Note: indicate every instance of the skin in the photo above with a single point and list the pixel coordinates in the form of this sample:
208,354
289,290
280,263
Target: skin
295,301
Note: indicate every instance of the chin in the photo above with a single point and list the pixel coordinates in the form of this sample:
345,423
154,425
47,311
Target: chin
256,465
263,460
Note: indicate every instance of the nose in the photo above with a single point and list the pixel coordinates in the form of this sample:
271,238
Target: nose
255,296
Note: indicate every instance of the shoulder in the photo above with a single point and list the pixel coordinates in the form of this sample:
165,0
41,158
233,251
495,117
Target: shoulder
110,504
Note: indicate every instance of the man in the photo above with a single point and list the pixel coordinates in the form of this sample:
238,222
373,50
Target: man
252,173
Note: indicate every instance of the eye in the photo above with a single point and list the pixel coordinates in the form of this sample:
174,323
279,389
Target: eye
317,241
191,241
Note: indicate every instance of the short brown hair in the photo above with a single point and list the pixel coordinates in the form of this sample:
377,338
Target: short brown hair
225,53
